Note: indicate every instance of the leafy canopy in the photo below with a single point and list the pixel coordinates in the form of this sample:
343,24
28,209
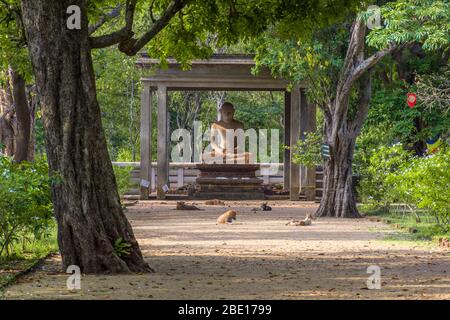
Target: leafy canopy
318,59
423,21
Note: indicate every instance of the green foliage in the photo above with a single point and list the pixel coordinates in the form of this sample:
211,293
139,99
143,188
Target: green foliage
372,137
123,176
208,24
390,111
425,183
13,49
390,120
422,21
434,93
258,110
315,61
121,248
426,229
124,155
26,213
26,258
374,186
204,25
394,176
118,93
307,151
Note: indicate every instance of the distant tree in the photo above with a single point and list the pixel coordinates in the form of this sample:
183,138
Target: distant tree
16,122
336,64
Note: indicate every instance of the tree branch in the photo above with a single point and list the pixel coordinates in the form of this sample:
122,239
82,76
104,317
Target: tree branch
124,33
132,46
114,13
124,36
370,62
355,51
353,57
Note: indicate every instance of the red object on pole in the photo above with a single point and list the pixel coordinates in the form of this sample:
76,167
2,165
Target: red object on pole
412,99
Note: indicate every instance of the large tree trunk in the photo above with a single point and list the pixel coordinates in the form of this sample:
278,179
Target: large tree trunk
338,198
341,129
86,202
22,115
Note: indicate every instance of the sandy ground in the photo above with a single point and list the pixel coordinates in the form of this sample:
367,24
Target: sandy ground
258,257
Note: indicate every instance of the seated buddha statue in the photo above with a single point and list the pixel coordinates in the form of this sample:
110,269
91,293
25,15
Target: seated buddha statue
222,150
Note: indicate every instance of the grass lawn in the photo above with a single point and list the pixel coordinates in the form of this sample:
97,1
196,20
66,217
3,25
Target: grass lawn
424,229
25,258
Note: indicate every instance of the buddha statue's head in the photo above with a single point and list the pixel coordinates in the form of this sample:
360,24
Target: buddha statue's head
227,112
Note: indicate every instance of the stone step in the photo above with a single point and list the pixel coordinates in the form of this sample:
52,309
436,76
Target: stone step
135,179
230,195
133,191
239,182
131,197
136,172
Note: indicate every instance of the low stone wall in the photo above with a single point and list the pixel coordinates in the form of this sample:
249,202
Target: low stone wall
183,174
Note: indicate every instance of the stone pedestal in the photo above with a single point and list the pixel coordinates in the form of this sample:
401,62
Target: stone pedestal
229,182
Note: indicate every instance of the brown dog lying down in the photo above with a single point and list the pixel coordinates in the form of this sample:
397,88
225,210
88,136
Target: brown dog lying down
181,205
215,202
227,217
306,222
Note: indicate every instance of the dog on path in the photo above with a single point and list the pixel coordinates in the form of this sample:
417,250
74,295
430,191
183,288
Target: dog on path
263,207
215,202
306,222
181,205
227,217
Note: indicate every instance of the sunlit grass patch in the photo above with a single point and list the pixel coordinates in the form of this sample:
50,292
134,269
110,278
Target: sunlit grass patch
25,256
420,227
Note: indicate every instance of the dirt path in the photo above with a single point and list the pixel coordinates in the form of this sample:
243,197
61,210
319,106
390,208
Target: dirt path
258,257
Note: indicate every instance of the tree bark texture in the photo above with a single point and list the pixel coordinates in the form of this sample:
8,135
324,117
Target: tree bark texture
86,202
22,114
7,121
33,103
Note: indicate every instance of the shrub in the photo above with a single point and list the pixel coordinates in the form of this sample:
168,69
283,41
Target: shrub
125,155
374,187
123,176
307,152
394,175
425,183
26,213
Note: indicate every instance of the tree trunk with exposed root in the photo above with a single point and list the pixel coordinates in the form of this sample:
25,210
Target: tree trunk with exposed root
86,202
341,129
